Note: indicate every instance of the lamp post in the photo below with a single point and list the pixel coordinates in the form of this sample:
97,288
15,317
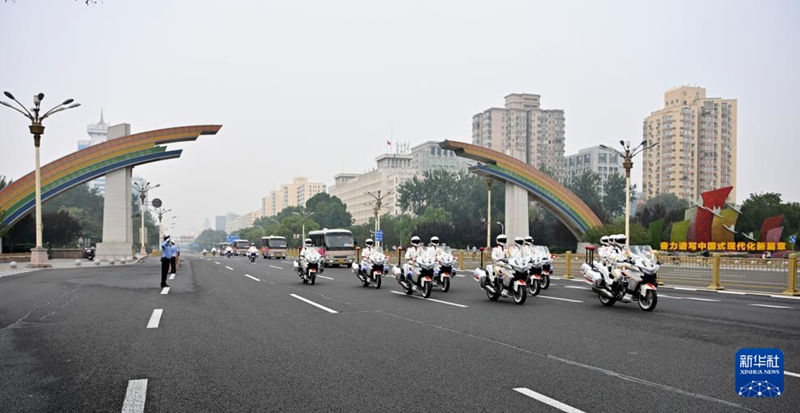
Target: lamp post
161,212
38,253
305,215
488,217
143,190
502,227
376,207
627,155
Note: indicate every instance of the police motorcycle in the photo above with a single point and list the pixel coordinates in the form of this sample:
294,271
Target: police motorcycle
505,281
636,275
444,270
424,265
371,268
546,261
252,256
308,264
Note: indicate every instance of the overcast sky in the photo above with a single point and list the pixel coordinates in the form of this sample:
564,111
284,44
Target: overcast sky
316,88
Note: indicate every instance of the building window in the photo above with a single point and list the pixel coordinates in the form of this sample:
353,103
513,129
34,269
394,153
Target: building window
601,158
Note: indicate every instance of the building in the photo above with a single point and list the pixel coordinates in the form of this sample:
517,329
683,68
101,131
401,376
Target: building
237,222
219,223
429,156
696,149
98,133
524,130
594,159
294,194
354,189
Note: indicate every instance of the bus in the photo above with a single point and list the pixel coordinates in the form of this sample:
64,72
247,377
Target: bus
273,246
338,245
222,246
240,245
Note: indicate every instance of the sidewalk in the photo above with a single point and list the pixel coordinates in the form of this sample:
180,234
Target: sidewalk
60,263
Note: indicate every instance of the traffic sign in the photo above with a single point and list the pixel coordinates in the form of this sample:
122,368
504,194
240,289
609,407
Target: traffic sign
792,239
156,203
379,235
232,238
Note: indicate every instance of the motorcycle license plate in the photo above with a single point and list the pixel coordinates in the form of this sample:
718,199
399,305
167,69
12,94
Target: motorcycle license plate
521,282
312,270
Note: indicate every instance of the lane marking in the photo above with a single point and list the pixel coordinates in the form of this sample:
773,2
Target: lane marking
771,306
433,299
789,373
327,278
229,268
277,268
250,276
172,277
155,318
548,401
785,296
135,396
575,287
314,304
215,262
562,299
690,298
165,291
684,289
731,292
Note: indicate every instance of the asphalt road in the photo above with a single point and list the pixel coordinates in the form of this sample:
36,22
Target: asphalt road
239,336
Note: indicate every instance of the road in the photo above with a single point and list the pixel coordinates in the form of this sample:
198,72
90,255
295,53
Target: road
230,335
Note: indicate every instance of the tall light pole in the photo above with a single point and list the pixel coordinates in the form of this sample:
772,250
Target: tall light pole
38,253
161,212
305,215
143,190
376,207
627,155
502,227
489,215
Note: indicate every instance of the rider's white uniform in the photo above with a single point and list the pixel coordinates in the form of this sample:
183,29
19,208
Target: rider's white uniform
412,253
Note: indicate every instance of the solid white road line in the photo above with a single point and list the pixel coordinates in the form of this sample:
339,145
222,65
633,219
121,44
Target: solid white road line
785,296
172,277
314,304
322,276
685,289
215,262
770,306
789,373
155,318
433,299
165,291
562,299
277,268
250,276
690,298
576,287
731,292
135,396
548,401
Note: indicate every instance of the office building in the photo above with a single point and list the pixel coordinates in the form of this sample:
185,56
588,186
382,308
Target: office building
429,156
294,194
594,159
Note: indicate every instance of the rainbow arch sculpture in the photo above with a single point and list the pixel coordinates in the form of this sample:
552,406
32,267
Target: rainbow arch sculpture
18,198
556,198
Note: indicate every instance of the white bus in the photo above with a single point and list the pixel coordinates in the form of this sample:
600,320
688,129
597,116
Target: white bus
338,245
273,246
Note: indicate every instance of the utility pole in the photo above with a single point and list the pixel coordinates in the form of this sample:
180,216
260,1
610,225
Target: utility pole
376,207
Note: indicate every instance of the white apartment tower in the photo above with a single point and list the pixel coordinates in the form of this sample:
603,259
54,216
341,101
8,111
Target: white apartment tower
696,149
294,194
525,131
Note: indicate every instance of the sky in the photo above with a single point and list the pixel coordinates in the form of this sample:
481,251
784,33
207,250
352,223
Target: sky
316,88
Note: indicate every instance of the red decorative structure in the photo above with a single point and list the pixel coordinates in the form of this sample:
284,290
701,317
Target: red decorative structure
712,201
768,227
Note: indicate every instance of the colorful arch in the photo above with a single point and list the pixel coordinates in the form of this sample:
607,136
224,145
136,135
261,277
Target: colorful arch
18,198
556,198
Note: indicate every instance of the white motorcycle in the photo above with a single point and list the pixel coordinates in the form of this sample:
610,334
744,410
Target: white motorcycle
425,266
499,281
308,266
637,281
372,271
535,275
547,264
444,270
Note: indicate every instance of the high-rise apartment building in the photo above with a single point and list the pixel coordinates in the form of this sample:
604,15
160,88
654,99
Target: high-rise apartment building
430,156
294,194
524,130
696,149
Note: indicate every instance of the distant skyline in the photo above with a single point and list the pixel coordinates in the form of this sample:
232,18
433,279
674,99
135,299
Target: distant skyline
317,88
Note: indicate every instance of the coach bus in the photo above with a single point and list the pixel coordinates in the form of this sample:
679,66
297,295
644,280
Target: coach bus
240,246
338,245
273,246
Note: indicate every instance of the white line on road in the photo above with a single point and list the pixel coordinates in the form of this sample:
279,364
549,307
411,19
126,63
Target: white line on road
785,296
789,373
322,276
562,299
685,289
229,268
546,400
250,276
172,277
771,306
165,291
690,298
434,300
576,287
134,396
314,304
215,262
155,318
731,292
277,268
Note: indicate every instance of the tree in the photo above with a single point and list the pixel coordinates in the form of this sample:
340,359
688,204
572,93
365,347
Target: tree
587,187
209,238
761,206
614,200
83,204
62,230
329,212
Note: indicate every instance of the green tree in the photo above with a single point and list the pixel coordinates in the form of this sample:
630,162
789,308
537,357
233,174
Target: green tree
758,207
329,212
614,199
209,238
83,204
62,230
587,187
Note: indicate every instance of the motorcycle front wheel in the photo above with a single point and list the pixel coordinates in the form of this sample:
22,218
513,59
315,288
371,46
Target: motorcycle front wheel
608,302
378,282
497,291
649,301
426,290
534,287
408,288
313,279
520,296
445,285
545,281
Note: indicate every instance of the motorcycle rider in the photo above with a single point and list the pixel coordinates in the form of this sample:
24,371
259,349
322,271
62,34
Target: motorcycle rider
214,251
369,247
619,254
205,252
433,247
527,247
500,255
252,251
229,251
410,268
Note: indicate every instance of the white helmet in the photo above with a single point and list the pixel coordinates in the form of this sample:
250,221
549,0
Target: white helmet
604,240
619,240
501,239
529,240
415,241
369,242
519,241
435,240
307,242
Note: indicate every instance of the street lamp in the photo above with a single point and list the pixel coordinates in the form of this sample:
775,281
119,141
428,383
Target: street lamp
627,163
305,215
143,190
38,253
502,227
161,212
376,207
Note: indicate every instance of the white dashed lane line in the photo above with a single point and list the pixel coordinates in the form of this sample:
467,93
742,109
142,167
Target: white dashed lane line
229,268
277,268
327,278
135,396
771,306
314,304
547,400
155,318
434,300
165,291
560,299
250,276
172,277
